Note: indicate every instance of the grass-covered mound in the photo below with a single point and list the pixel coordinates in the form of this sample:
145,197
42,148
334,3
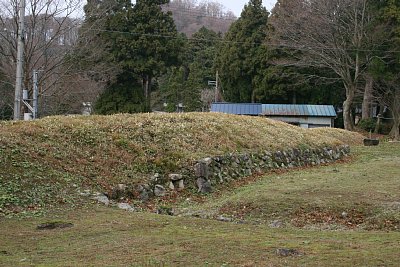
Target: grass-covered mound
49,158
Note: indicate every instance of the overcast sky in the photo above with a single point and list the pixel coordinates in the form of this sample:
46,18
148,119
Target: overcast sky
237,5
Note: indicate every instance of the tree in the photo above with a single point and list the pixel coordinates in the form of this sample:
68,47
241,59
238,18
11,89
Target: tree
327,34
50,32
203,48
124,96
190,16
385,67
186,84
6,98
143,40
242,53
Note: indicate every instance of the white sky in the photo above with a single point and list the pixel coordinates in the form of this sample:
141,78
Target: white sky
236,6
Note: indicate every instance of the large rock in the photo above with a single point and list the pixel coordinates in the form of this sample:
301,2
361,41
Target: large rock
202,168
144,192
203,185
102,199
159,190
119,191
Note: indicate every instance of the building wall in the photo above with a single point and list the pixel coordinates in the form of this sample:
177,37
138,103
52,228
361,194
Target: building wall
305,122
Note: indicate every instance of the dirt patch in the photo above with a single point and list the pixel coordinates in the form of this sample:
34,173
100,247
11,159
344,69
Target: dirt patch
54,225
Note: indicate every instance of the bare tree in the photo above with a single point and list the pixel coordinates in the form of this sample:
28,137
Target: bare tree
329,34
387,94
51,32
207,96
191,15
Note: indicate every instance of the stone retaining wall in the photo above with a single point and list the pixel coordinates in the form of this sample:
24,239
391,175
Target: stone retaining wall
222,169
208,172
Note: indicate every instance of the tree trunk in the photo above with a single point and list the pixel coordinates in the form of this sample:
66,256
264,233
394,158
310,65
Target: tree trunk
347,116
395,132
294,98
253,96
367,101
395,108
146,83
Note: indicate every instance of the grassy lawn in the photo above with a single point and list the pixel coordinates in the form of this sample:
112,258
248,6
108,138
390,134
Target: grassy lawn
364,194
338,215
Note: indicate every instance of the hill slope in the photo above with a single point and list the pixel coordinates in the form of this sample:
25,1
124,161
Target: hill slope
47,159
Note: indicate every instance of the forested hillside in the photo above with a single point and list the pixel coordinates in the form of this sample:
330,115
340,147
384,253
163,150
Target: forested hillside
190,16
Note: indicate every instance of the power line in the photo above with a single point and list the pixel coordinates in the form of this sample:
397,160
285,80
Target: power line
277,46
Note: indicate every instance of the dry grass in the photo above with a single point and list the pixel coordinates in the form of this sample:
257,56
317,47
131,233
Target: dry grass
350,138
108,237
362,194
101,151
367,188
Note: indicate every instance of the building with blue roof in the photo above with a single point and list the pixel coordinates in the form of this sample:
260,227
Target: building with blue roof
306,116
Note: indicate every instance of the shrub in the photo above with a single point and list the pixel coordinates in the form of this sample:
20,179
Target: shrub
367,124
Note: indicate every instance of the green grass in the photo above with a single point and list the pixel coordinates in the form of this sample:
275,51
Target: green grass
366,191
106,237
368,186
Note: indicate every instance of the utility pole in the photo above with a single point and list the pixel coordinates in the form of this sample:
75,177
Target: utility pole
35,95
20,61
215,83
216,88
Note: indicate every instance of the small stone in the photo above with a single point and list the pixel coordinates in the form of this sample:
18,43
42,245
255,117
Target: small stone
207,161
121,187
171,185
223,219
144,196
175,177
85,193
159,190
276,224
285,252
344,214
102,199
155,178
125,206
181,185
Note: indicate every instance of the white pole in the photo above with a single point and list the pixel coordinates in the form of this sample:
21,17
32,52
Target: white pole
35,94
20,61
216,89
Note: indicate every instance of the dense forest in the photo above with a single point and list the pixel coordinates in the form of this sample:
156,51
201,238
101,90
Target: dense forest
158,55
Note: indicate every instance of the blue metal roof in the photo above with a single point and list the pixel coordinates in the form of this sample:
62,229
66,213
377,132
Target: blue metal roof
238,109
298,110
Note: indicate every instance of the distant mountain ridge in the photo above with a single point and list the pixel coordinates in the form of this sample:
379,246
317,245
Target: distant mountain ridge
190,17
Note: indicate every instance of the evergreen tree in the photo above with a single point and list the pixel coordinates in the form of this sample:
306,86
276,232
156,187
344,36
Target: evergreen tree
125,95
186,83
243,53
144,40
203,47
385,67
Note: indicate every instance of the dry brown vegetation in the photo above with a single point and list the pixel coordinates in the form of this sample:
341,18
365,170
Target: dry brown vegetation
309,206
108,146
102,151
